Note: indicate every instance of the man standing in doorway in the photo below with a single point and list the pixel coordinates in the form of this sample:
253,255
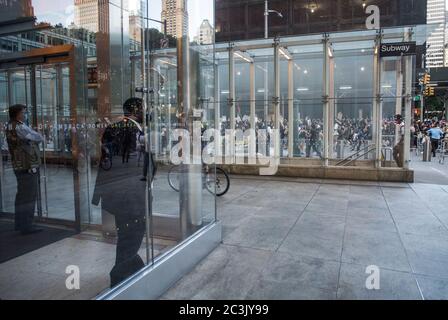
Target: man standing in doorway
23,144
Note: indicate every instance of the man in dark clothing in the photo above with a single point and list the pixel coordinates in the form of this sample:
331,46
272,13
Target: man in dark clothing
313,141
122,182
23,144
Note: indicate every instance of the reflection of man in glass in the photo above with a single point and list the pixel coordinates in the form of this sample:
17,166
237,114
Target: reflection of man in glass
23,146
122,194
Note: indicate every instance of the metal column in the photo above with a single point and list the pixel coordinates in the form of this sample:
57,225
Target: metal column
232,86
328,110
377,103
190,195
217,98
399,95
252,145
276,99
252,94
408,73
291,108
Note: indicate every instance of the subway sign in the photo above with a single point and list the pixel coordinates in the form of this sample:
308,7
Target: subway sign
398,49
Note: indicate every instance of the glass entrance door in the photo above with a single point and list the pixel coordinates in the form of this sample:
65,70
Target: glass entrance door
52,121
45,90
14,89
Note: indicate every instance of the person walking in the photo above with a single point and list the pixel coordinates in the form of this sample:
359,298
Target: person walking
436,134
23,145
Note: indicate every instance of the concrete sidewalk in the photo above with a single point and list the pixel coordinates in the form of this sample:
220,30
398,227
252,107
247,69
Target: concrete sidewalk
308,239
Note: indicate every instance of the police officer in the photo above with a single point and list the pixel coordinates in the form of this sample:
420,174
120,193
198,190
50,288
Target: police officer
23,144
122,194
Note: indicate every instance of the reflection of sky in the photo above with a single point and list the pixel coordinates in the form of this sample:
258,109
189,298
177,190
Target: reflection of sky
198,10
62,11
54,12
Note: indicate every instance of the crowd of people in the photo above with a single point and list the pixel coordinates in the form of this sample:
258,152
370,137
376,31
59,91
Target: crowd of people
435,131
350,135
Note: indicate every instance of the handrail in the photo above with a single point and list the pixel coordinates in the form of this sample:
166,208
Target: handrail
357,155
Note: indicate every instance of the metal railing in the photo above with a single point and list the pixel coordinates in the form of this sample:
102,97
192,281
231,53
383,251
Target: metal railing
357,155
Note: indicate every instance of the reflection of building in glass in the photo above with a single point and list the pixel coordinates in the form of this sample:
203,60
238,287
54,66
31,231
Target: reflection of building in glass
205,33
16,9
27,8
41,39
86,14
176,15
135,27
436,38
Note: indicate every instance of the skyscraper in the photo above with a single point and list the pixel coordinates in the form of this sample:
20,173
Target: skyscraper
206,33
11,10
436,19
176,15
86,14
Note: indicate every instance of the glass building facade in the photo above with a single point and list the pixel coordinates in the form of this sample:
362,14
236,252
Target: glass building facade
105,98
332,97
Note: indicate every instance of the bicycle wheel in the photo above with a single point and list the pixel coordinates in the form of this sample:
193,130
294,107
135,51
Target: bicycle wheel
219,182
174,177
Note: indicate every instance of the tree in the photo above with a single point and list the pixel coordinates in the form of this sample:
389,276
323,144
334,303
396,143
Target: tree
154,38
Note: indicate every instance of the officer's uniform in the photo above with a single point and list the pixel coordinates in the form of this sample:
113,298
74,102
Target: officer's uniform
23,145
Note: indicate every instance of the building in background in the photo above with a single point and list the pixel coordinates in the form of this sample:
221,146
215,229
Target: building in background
135,27
16,10
244,19
436,44
86,14
206,33
175,13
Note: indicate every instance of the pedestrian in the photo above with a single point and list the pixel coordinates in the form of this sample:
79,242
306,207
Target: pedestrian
436,134
23,145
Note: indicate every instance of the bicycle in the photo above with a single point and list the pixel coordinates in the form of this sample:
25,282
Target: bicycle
219,181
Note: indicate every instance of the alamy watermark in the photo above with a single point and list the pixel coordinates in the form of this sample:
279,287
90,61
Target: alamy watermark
73,281
258,147
373,280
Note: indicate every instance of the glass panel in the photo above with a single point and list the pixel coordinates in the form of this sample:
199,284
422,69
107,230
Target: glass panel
242,95
353,101
8,184
392,92
308,106
223,92
52,115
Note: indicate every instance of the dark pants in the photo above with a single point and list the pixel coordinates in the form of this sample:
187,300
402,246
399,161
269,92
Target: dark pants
435,146
398,153
26,197
149,164
145,164
130,232
126,152
312,145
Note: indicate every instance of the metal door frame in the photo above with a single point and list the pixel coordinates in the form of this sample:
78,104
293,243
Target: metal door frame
56,56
